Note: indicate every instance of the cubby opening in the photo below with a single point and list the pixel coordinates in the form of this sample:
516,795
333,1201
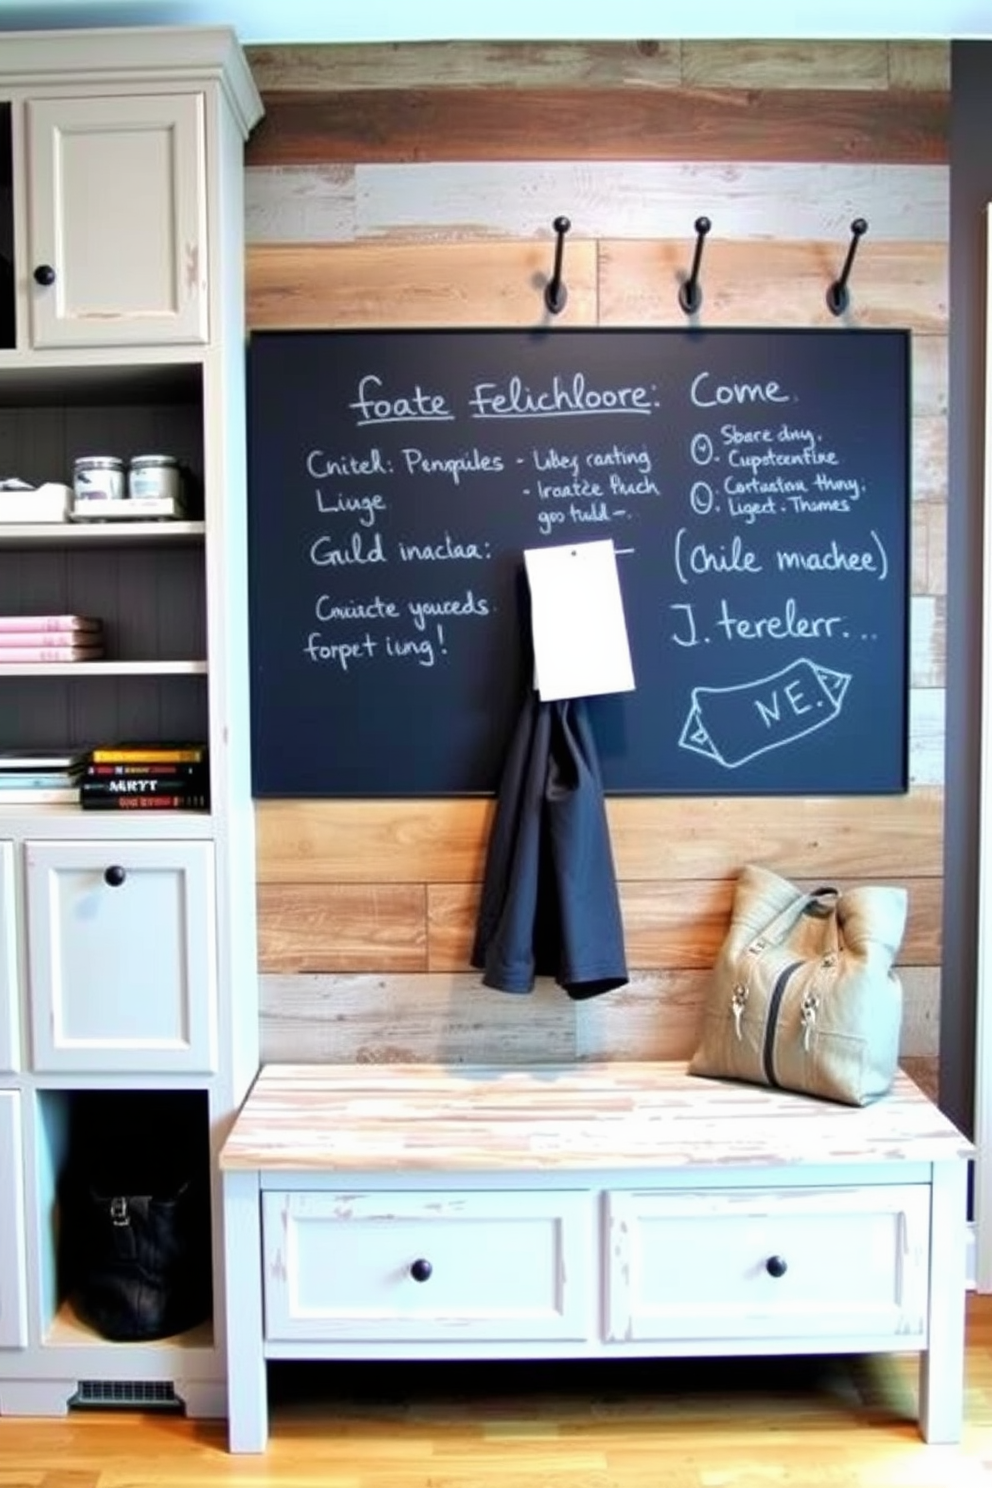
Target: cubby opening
49,421
145,581
95,1149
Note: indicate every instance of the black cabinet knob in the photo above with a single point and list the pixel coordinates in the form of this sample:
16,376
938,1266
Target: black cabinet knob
421,1270
44,274
114,875
776,1266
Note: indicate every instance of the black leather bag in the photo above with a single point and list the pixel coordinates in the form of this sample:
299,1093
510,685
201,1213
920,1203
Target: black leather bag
134,1199
141,1261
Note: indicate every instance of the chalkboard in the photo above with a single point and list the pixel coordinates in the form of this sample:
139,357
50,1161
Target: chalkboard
755,485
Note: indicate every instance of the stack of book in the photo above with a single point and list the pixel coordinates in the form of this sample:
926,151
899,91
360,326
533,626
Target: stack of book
143,777
50,638
40,777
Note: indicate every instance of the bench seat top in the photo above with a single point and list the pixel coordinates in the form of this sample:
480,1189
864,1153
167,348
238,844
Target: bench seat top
589,1117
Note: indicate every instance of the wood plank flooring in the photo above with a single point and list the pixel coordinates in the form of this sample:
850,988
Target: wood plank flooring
803,1423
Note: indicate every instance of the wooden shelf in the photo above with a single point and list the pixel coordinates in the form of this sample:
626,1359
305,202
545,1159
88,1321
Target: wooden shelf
99,534
103,669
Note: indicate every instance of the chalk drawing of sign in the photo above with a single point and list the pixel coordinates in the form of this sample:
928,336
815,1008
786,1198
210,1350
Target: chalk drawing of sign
735,724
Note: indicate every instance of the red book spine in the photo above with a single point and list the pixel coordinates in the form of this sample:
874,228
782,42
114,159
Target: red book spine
144,803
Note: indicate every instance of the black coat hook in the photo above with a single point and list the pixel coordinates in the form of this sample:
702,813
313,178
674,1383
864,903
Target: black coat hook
690,294
555,293
837,295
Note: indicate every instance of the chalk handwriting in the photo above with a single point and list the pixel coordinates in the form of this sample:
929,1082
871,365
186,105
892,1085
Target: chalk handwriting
367,508
413,407
705,394
563,397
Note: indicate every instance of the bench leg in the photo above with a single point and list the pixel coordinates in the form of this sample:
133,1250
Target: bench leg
942,1364
247,1394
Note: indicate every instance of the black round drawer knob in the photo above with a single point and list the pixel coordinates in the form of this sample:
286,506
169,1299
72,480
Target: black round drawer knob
44,274
776,1266
114,875
421,1270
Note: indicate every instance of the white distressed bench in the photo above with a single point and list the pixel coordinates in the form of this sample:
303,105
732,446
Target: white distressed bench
595,1210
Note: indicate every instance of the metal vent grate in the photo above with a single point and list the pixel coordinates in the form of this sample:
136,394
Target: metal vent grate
125,1395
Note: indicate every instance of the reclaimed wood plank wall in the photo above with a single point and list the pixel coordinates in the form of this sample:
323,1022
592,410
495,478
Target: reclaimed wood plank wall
415,185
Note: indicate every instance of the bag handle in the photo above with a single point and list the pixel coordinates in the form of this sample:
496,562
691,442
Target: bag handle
778,929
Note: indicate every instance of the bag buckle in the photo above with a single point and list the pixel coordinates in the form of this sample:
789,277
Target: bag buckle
119,1215
737,1004
807,1017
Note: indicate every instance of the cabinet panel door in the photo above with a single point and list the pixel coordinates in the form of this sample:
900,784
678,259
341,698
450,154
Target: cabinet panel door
838,1266
13,1251
428,1266
122,962
117,212
9,977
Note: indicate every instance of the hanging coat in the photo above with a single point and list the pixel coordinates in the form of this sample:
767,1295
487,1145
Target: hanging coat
549,903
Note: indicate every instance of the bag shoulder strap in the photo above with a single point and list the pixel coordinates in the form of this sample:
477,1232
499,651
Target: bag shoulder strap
775,932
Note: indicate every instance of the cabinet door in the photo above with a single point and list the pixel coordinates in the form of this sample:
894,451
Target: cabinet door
843,1267
13,1251
122,964
9,999
434,1267
117,221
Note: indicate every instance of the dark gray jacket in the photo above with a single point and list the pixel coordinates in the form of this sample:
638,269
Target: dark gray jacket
549,898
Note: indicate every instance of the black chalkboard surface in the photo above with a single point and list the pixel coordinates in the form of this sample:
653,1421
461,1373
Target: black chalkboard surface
755,485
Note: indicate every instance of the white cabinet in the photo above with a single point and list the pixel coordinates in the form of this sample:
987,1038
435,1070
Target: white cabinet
121,941
788,1264
117,236
13,1304
429,1266
128,977
9,972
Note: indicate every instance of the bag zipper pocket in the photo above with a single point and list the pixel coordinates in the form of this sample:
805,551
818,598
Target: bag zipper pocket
774,1006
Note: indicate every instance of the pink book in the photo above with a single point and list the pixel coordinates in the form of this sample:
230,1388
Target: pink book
49,653
36,623
48,640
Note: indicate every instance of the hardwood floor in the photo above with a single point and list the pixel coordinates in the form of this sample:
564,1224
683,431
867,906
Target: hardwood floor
803,1423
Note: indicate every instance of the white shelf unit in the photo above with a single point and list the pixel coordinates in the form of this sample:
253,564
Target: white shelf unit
128,978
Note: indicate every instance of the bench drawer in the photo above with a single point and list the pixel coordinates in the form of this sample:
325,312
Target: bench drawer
434,1266
798,1264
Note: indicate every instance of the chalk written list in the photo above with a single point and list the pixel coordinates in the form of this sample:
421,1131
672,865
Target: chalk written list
755,488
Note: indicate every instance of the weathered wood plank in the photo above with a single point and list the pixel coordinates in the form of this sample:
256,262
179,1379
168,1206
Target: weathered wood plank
928,391
584,1117
928,464
501,284
460,284
929,547
379,1019
895,285
444,840
622,199
928,641
387,1020
927,712
290,205
920,64
307,927
785,64
794,64
469,123
514,65
668,925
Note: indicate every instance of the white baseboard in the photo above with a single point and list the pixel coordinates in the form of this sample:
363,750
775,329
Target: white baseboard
971,1258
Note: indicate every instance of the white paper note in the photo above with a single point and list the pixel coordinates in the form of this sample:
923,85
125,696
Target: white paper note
580,634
